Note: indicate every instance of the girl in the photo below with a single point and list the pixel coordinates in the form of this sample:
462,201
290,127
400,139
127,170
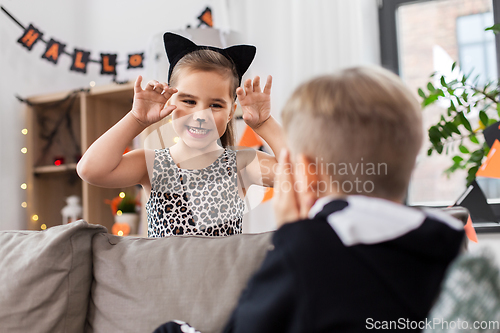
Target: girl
195,187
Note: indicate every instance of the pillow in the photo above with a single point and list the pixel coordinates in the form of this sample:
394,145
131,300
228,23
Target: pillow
141,283
45,278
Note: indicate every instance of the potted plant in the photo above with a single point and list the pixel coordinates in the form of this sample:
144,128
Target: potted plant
124,211
454,134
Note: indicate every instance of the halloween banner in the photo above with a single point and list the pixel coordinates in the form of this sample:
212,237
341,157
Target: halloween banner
82,58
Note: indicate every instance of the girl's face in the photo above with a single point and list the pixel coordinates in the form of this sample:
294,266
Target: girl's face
204,107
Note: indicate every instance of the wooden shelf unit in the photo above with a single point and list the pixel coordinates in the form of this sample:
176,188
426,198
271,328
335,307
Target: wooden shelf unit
48,185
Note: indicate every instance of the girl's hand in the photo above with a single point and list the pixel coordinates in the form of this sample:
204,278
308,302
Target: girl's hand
150,104
256,104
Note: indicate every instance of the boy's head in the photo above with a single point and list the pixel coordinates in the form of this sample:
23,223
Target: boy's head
356,132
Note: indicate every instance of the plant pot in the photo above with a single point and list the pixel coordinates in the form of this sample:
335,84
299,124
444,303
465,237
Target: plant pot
132,219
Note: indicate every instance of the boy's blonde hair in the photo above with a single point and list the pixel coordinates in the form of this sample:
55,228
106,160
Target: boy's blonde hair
361,124
211,61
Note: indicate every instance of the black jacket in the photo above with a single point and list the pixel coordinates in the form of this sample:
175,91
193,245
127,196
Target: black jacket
336,273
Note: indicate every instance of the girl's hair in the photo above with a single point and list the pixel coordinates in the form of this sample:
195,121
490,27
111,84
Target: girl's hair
210,61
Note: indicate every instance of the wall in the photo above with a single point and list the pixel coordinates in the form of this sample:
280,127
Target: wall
295,39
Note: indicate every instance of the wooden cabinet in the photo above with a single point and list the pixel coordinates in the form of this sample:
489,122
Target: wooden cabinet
60,128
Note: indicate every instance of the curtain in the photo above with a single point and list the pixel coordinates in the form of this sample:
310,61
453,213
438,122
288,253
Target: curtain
297,40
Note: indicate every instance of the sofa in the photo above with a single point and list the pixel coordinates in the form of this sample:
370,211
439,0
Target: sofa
78,278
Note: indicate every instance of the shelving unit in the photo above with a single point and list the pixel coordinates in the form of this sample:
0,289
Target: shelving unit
80,120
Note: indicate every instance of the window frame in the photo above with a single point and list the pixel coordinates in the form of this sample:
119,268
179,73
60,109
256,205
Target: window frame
389,56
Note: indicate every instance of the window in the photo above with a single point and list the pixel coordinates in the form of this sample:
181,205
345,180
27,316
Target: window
421,37
476,47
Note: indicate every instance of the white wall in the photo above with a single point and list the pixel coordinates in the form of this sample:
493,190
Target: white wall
296,39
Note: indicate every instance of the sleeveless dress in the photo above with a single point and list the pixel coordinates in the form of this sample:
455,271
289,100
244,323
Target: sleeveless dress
203,202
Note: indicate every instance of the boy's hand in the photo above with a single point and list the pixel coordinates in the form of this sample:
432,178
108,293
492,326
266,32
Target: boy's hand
289,205
256,104
150,104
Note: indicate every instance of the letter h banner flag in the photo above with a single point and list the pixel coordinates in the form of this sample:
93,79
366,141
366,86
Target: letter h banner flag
30,37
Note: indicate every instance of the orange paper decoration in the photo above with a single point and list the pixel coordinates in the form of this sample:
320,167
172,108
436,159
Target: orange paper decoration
268,195
491,167
120,229
470,231
250,139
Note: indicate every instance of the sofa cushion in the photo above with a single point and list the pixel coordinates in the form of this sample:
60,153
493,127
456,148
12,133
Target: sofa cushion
45,278
140,283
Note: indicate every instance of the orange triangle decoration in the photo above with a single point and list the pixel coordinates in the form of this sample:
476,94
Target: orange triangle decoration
250,139
470,231
268,195
491,167
206,18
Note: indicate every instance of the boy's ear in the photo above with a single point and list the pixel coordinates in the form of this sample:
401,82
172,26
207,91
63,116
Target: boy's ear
306,171
307,180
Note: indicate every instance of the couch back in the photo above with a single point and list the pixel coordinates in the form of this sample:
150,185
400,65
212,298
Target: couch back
45,278
77,278
140,283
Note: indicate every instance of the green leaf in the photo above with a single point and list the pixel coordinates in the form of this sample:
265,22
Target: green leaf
498,109
473,138
457,159
443,81
495,28
430,99
451,169
464,121
452,128
430,87
421,93
471,174
463,149
439,147
452,106
435,134
483,117
429,152
477,156
453,66
465,96
492,121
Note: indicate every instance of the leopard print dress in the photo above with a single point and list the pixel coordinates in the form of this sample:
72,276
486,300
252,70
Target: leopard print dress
202,202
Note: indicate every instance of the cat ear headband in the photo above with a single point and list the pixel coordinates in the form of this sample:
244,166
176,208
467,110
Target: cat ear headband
178,46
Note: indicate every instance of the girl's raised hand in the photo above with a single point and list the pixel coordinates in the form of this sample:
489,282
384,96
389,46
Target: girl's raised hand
150,104
256,104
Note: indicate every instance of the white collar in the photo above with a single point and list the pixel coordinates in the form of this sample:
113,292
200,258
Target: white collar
368,220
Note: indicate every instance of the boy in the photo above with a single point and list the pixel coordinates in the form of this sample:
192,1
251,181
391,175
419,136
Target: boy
354,258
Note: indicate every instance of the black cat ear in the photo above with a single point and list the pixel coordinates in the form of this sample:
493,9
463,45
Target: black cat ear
242,56
176,47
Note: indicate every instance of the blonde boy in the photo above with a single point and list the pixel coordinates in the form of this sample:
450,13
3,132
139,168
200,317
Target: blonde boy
347,258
